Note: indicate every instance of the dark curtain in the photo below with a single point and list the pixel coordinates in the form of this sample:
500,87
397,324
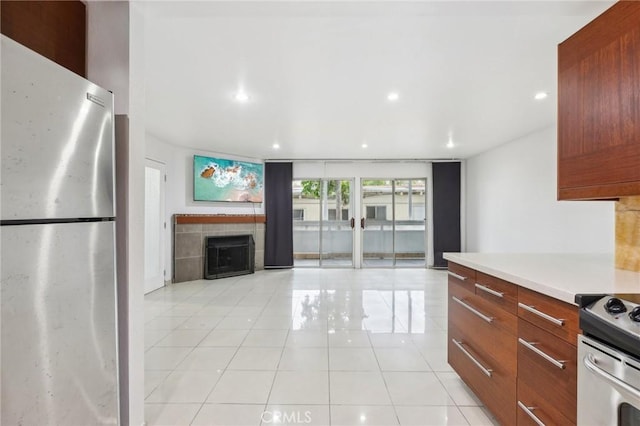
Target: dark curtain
446,211
278,244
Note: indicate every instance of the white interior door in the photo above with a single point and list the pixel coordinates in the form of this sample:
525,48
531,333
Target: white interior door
154,225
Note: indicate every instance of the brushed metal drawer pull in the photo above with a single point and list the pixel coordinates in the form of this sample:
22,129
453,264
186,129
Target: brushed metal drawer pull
531,347
489,290
549,318
529,411
472,309
486,371
454,275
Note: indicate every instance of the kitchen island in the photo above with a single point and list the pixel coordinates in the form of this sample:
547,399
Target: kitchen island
513,326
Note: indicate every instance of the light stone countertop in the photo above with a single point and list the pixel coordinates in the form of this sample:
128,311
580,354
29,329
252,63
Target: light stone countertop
560,276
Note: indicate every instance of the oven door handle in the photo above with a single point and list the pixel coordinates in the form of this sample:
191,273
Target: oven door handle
590,362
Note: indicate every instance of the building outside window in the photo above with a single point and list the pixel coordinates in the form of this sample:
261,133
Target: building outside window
298,214
332,214
377,212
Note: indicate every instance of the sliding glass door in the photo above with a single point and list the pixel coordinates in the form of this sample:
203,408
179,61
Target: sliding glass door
391,227
323,222
336,240
393,222
377,223
410,222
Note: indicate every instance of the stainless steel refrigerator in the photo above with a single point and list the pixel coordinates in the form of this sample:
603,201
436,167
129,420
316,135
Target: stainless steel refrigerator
58,288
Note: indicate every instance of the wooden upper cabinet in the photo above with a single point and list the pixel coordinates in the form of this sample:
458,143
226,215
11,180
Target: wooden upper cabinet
599,107
55,29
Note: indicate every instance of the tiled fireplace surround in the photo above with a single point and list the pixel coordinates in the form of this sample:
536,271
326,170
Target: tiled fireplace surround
190,232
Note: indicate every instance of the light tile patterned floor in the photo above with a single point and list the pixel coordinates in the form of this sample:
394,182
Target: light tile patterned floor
336,347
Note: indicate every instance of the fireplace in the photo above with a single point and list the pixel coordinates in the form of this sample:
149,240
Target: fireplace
226,256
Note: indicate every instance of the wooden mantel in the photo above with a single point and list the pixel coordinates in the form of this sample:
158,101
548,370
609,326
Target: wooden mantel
218,218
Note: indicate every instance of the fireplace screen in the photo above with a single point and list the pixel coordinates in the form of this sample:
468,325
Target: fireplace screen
228,256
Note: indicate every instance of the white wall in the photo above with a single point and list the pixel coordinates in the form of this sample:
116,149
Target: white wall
137,126
178,162
115,60
511,203
108,49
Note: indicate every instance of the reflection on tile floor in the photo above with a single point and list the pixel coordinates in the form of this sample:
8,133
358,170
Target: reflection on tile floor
304,347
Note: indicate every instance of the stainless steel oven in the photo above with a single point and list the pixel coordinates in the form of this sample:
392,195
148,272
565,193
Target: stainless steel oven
608,385
609,363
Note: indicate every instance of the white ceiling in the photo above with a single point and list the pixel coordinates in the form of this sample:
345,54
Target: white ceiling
318,74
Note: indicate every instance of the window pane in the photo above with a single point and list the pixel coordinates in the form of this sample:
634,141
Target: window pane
371,212
410,225
306,215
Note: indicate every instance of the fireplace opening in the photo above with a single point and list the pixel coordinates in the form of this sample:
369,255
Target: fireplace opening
228,256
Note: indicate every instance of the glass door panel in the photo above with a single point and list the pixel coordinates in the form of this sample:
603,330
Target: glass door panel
337,232
306,222
409,229
393,231
322,225
377,223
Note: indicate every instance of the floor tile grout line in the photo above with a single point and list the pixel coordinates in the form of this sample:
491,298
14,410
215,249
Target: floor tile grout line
286,292
221,371
175,369
197,413
225,368
450,395
275,376
384,380
328,371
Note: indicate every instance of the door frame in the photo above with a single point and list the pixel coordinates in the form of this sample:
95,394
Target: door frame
151,283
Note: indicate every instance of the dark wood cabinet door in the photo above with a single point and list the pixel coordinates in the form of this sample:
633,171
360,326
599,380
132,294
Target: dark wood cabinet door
550,386
55,29
599,107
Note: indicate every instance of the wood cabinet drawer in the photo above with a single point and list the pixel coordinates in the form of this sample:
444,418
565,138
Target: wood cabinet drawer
555,316
472,312
541,372
499,292
539,407
462,276
497,391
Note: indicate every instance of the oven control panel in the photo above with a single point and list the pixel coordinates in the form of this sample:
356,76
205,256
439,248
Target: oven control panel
618,312
614,319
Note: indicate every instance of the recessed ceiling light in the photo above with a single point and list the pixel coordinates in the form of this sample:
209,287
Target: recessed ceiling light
276,146
393,96
242,97
541,95
364,145
450,144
